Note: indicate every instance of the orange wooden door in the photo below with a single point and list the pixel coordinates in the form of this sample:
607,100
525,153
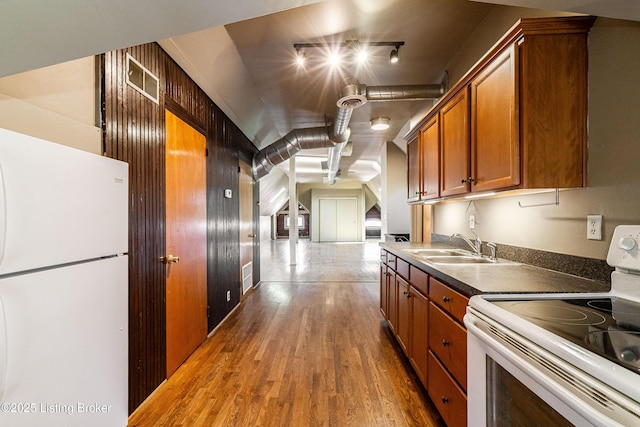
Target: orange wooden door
186,214
247,234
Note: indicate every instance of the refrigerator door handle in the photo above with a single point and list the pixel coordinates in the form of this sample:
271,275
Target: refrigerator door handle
3,349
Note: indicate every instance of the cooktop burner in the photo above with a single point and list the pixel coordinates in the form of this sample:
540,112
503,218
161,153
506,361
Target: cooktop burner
609,327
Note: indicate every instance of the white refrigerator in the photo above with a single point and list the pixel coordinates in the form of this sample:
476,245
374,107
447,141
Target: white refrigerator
63,285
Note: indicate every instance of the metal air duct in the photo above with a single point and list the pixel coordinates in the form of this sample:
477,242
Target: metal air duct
352,95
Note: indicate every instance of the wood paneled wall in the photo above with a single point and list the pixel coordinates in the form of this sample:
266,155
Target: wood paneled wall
134,132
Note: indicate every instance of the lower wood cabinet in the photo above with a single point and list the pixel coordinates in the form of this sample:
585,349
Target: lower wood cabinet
448,341
425,315
446,394
419,337
384,290
392,315
403,327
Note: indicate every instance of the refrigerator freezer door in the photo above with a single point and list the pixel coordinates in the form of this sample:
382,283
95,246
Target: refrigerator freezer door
58,204
66,346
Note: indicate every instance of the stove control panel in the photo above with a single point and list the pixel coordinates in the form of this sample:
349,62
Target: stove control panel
624,251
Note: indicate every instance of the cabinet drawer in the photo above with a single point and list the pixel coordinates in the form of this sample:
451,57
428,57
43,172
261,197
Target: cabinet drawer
391,260
419,279
402,268
448,397
448,340
449,300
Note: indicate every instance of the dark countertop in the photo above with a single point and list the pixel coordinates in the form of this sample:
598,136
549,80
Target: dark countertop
504,277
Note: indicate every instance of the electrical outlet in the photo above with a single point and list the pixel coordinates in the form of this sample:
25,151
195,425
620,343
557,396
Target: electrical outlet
594,227
228,295
472,221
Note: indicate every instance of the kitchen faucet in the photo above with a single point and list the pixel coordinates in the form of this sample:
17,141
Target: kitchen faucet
476,246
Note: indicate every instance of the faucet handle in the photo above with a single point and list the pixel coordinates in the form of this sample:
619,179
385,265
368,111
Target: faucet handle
493,248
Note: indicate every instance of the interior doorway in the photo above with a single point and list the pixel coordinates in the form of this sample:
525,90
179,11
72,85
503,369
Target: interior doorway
247,232
186,240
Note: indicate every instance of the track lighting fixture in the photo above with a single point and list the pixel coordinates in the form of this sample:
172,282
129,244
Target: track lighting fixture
361,49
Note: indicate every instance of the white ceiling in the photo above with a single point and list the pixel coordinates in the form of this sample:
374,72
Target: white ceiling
241,53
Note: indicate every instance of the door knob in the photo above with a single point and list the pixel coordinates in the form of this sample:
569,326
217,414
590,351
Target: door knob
169,259
252,235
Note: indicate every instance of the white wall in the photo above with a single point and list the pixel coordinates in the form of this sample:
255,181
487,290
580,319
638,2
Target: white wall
613,165
56,103
395,212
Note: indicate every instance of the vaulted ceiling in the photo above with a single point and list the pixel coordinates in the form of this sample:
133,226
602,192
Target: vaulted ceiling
241,54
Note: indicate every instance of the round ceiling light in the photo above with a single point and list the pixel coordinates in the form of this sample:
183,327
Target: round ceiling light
380,123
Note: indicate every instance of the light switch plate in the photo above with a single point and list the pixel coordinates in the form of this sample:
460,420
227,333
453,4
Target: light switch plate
594,227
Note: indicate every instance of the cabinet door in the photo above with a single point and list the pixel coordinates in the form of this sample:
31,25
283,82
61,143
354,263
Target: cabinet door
402,327
392,318
419,333
495,150
414,189
384,291
454,124
430,141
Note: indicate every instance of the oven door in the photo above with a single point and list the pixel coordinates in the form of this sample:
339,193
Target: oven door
512,382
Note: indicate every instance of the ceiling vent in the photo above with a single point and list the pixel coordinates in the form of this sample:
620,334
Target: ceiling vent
351,101
141,79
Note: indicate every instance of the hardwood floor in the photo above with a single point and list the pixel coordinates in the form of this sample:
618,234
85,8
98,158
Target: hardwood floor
307,347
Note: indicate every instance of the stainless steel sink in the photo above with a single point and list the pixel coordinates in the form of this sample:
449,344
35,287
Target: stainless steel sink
466,260
459,260
437,252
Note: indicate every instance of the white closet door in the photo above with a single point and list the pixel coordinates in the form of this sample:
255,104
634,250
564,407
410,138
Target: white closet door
328,220
338,220
347,220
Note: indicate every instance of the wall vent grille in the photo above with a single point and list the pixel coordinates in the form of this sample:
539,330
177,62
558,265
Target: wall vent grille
142,80
247,277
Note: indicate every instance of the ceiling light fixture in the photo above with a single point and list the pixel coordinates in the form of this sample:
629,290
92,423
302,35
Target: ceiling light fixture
380,123
361,48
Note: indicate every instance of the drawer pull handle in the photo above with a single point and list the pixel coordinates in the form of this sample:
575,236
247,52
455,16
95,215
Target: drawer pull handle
445,299
445,343
405,293
444,399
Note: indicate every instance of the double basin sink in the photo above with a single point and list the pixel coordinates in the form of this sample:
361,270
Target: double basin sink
453,256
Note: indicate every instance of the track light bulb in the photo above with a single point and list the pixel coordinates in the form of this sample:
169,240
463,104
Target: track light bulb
301,58
393,56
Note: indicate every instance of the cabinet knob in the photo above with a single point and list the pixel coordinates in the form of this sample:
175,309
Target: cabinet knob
444,399
445,343
446,299
471,179
463,181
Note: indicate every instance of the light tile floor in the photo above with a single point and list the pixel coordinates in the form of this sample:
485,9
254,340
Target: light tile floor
320,261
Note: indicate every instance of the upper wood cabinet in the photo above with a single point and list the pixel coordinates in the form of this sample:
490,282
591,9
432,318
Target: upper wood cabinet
495,148
430,146
454,160
518,118
414,188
